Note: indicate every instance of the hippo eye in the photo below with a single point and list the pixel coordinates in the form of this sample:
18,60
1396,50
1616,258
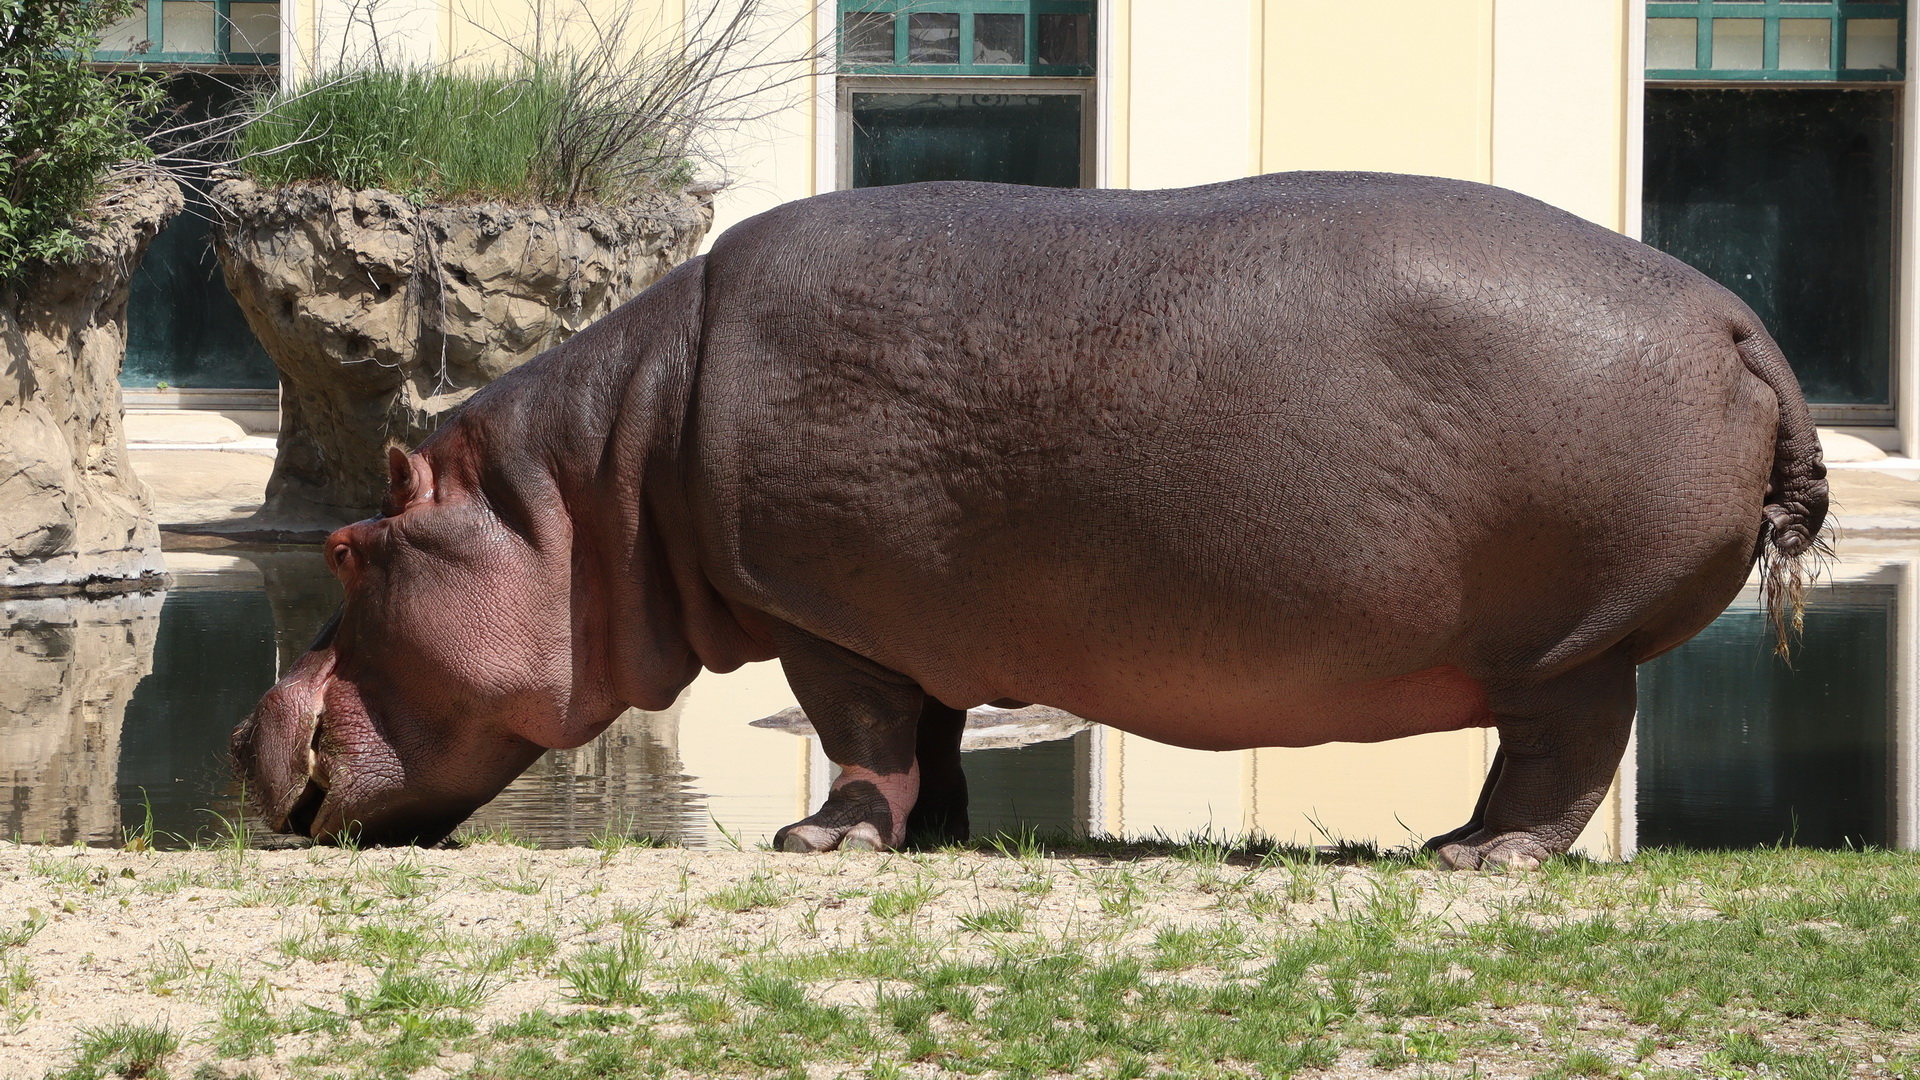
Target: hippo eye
340,558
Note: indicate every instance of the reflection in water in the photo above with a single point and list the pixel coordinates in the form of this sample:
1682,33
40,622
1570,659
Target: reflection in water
629,780
1733,747
213,660
1739,750
66,673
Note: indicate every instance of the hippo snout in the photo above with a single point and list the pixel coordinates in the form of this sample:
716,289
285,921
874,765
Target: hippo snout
275,754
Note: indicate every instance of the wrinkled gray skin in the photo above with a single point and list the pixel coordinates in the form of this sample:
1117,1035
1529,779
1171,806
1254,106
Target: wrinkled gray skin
1306,457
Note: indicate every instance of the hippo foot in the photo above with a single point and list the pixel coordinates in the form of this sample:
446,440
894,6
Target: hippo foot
1494,851
802,837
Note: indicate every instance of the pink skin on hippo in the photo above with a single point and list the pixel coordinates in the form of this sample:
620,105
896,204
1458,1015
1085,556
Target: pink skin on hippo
1296,459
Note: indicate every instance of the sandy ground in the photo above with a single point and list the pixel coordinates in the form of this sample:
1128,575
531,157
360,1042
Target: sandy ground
165,938
156,938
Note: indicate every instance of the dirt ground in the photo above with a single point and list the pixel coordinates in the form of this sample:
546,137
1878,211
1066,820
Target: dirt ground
181,940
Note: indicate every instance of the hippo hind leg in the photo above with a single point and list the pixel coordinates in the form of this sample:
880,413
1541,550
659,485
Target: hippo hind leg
1560,744
868,721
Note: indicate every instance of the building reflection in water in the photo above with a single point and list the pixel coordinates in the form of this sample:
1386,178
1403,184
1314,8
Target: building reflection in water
1733,747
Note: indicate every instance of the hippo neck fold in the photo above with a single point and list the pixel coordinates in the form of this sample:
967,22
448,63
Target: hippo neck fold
581,452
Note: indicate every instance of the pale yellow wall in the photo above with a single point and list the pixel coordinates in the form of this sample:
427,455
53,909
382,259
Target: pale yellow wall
1561,100
1395,86
1115,94
1193,67
1176,792
1387,793
487,32
769,157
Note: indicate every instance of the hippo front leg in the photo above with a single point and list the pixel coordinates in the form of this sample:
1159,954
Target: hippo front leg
1560,744
868,720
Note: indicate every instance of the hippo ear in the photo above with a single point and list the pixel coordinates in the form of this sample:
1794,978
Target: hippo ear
408,479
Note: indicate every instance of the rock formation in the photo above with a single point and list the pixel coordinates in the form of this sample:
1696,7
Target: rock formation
68,667
384,317
72,513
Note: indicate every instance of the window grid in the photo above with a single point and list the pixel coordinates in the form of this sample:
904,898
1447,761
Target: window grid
900,10
223,40
1838,15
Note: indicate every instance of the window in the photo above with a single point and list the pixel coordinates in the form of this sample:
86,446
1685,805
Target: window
1788,197
967,37
240,32
1027,132
1789,40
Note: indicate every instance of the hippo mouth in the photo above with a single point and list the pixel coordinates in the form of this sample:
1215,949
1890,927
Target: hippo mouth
300,816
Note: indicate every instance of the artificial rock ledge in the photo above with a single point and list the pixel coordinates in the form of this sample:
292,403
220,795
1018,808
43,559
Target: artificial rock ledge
73,516
384,317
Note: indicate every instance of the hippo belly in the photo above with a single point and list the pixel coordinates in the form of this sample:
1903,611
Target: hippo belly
1290,712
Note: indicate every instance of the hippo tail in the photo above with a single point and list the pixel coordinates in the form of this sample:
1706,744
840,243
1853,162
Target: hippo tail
1793,548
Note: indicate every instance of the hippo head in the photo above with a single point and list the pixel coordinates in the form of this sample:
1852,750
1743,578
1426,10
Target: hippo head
459,654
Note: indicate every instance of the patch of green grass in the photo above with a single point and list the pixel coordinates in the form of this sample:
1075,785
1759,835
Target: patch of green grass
905,900
35,921
387,943
246,1028
15,982
535,949
470,835
416,992
404,880
1004,919
547,130
621,835
1395,965
433,135
1178,948
65,871
607,974
121,1049
759,890
317,947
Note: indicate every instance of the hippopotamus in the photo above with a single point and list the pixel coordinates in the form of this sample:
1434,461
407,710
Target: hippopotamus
1291,459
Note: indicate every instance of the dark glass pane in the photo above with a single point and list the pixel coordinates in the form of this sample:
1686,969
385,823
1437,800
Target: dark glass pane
999,39
1022,787
866,37
1066,40
1786,196
183,326
1739,750
933,38
1002,138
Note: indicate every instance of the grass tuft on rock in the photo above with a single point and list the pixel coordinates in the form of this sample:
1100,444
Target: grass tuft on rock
624,113
432,136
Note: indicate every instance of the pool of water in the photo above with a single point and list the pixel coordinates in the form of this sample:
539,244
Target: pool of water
114,715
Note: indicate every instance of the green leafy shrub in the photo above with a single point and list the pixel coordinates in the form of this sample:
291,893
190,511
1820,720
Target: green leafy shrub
62,124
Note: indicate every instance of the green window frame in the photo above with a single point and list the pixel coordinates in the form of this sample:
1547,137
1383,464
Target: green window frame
223,37
1790,35
904,12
